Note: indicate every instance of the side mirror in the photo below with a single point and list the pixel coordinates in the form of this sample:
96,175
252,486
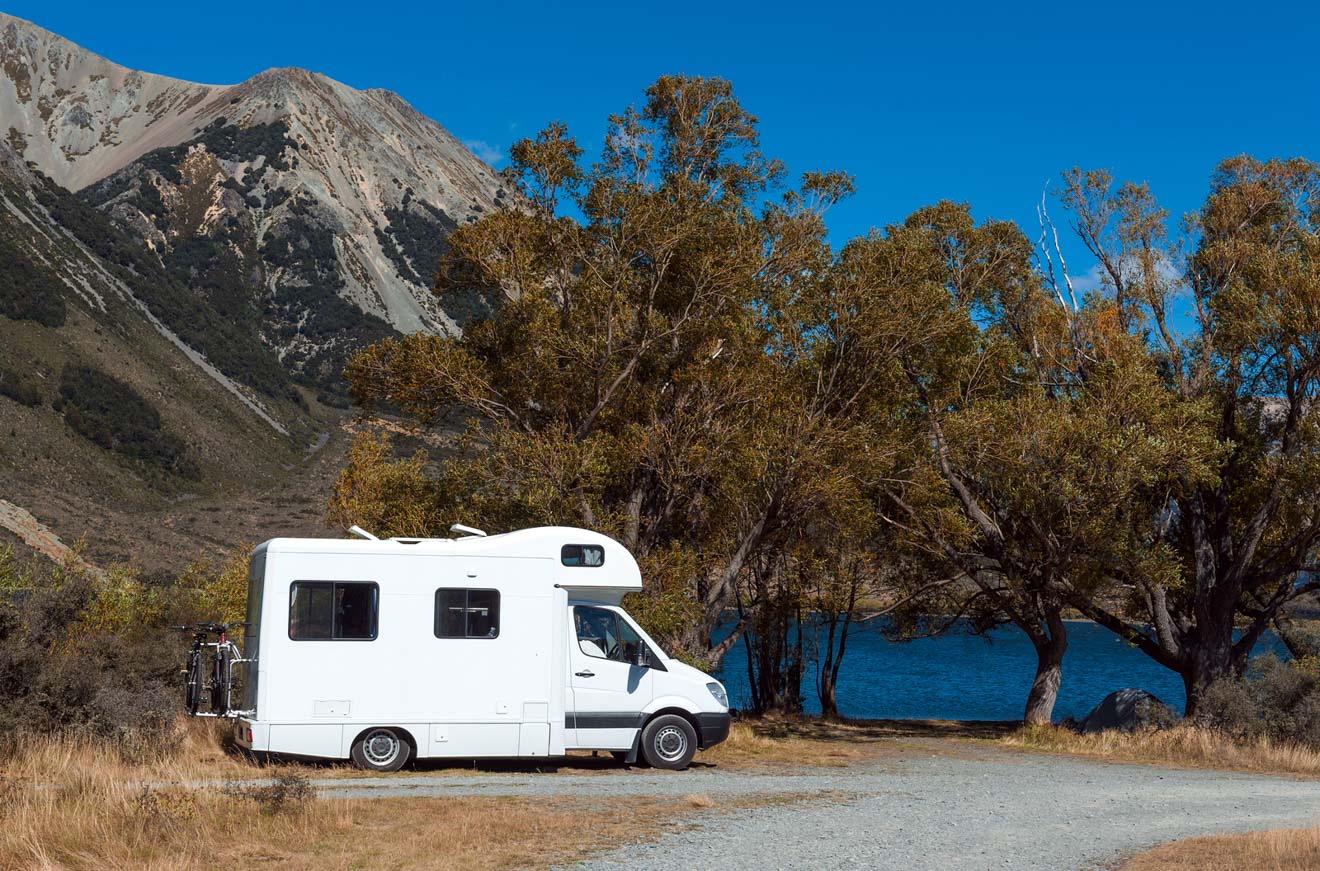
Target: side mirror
642,658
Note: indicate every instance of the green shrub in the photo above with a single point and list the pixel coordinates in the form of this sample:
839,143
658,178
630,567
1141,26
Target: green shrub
113,415
91,653
29,291
417,238
19,388
1278,700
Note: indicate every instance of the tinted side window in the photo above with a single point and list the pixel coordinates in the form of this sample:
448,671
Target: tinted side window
592,555
333,610
467,613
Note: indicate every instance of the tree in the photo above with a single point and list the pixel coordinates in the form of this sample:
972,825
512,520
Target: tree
1027,421
1235,543
838,582
642,373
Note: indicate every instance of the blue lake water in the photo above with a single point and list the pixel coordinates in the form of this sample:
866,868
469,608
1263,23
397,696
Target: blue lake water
964,677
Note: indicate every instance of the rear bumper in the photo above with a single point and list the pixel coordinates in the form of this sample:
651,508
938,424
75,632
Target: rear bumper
712,729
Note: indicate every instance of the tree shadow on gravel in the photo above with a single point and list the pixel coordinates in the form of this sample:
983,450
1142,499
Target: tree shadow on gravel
846,729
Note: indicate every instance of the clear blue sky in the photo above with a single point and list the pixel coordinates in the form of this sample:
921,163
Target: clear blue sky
975,101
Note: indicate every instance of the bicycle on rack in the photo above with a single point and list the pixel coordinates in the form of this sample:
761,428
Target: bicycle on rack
219,686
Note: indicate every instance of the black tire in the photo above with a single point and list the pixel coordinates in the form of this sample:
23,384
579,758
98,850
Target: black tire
381,749
192,686
669,741
218,684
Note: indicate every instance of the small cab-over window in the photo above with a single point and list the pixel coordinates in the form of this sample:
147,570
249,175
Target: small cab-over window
333,610
582,555
467,613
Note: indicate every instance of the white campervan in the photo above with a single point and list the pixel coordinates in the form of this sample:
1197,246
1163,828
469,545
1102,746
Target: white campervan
480,646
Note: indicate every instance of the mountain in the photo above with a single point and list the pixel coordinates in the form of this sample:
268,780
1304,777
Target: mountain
184,269
314,212
116,432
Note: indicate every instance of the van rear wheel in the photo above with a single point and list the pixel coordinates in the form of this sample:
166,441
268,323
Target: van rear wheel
381,750
669,742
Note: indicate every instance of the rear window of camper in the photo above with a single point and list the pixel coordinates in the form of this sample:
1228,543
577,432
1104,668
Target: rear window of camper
333,610
582,555
467,613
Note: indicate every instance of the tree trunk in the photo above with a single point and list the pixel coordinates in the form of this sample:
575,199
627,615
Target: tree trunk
1049,675
1208,660
825,683
828,682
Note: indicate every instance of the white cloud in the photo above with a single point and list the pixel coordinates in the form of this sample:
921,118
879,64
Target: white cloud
492,154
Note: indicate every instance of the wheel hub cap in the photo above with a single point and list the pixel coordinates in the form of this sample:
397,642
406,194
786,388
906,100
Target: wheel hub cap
381,748
671,743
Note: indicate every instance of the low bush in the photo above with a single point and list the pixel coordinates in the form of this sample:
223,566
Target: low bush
289,791
91,655
1278,700
21,389
1185,744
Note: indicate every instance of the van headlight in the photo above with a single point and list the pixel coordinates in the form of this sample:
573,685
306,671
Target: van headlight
718,692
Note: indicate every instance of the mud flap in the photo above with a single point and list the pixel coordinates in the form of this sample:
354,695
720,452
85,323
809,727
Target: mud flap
631,758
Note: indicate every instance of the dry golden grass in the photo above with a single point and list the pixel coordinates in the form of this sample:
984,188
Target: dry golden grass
769,743
76,805
813,742
83,826
1282,850
71,802
197,753
1191,746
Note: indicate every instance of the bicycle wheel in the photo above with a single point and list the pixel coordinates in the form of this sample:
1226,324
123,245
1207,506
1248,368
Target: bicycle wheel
192,687
219,681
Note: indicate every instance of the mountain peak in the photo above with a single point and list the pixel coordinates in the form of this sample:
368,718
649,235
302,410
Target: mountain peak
285,147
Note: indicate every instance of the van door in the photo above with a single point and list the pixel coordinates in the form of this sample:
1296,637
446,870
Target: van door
609,691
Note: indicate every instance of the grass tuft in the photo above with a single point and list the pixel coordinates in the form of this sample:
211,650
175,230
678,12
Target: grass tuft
1279,850
1183,745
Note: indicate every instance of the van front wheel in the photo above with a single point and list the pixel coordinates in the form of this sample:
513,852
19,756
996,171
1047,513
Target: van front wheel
669,742
381,750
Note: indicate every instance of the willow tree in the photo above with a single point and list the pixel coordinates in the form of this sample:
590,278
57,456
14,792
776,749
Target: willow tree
1238,544
638,374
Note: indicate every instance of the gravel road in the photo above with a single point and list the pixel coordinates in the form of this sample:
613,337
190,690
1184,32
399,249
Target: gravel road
940,805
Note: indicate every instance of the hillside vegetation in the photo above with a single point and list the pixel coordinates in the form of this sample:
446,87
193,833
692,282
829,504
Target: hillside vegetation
115,416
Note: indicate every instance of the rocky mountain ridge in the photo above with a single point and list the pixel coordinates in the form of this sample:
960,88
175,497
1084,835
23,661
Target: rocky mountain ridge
184,269
288,153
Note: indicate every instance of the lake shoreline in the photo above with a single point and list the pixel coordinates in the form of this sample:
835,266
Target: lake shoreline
959,675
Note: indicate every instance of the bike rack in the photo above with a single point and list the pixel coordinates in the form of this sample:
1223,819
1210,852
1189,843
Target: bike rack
239,659
229,689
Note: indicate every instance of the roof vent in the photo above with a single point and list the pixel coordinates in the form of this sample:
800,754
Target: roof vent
467,530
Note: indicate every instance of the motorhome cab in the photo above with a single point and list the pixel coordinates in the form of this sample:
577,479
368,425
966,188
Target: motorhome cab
481,646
